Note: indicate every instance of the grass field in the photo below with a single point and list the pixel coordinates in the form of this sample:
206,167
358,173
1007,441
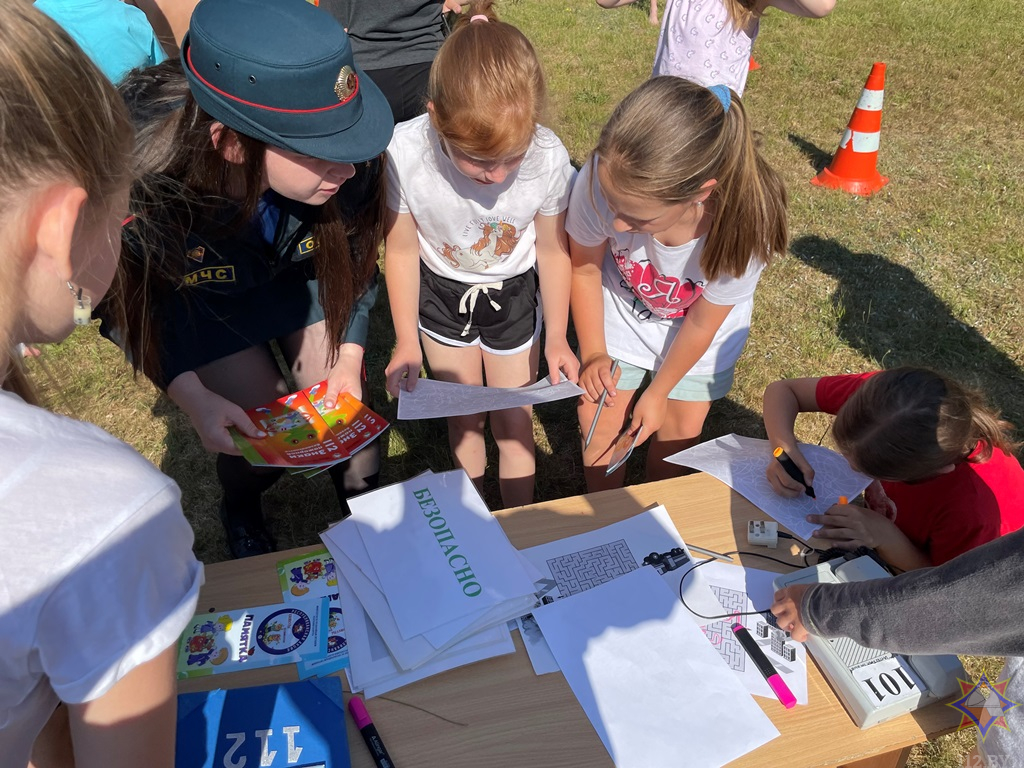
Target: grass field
928,271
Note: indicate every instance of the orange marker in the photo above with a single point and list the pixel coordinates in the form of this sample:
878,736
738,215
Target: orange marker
842,500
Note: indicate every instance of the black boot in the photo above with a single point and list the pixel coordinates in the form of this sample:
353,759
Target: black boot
241,510
358,474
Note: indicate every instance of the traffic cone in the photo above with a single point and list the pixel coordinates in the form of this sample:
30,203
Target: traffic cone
753,66
854,168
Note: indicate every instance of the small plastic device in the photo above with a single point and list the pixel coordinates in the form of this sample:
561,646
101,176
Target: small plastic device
874,686
763,533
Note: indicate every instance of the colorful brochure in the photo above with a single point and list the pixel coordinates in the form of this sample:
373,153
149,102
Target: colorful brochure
300,724
305,436
314,575
247,638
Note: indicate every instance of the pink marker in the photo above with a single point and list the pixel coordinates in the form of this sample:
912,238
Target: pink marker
764,666
380,755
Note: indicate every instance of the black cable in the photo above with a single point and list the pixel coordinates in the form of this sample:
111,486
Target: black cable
734,613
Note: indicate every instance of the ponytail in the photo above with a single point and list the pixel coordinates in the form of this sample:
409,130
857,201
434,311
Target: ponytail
709,140
750,203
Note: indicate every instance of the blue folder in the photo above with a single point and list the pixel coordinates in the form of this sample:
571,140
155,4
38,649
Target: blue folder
294,725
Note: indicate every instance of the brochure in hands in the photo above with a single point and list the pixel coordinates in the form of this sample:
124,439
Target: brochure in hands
305,436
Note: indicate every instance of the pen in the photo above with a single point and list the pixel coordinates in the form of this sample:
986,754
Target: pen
764,666
380,755
600,405
710,553
793,470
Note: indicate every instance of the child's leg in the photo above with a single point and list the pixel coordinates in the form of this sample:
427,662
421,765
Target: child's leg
247,378
306,354
684,421
513,427
611,422
462,365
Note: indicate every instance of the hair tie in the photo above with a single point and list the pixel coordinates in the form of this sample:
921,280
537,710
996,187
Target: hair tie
723,94
478,16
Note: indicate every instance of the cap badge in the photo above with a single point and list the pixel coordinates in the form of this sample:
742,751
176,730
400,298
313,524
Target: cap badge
347,84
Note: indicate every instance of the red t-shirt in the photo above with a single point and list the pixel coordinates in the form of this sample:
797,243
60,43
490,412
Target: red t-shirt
954,512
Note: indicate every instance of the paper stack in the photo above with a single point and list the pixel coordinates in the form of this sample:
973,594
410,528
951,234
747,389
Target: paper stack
427,580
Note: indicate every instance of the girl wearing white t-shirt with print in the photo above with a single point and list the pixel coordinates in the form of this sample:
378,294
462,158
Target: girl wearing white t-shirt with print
669,231
477,193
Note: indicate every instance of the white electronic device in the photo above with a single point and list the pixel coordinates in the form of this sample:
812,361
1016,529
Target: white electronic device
873,685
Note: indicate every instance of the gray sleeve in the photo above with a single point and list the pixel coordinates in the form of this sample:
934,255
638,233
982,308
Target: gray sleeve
972,604
359,318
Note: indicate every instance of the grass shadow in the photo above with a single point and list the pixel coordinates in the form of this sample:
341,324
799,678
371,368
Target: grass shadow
890,316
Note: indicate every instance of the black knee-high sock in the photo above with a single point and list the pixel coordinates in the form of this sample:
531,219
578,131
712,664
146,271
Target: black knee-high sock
358,474
243,486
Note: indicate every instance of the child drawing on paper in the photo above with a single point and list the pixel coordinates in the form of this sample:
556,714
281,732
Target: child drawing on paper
475,243
945,478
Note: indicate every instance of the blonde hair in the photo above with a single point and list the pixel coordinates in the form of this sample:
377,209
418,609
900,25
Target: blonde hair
669,137
907,424
60,120
741,12
486,86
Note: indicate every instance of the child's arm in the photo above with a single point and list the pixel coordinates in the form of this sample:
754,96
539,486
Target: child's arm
783,401
587,305
703,319
555,270
811,9
136,717
402,275
210,414
848,526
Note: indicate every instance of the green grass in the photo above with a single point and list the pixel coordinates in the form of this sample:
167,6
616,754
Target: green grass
930,270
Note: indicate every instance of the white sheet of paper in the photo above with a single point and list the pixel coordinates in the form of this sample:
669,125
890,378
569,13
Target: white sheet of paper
647,677
373,671
439,553
741,462
431,399
749,589
576,563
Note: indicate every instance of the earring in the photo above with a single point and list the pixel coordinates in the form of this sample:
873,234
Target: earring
83,306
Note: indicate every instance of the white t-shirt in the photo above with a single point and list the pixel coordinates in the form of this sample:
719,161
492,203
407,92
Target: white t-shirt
470,232
97,574
648,287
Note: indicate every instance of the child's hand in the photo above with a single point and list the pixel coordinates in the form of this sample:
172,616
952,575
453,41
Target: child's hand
560,358
848,526
649,411
346,375
877,500
787,610
781,482
405,364
596,376
211,414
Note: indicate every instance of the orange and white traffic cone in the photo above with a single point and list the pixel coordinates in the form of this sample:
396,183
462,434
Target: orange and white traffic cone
854,168
753,66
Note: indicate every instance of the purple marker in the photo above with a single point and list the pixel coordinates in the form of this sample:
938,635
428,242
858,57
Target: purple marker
380,755
764,666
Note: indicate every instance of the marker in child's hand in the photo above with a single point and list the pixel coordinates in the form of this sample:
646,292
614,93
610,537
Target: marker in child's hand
793,470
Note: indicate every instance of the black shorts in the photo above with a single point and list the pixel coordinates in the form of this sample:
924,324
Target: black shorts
501,320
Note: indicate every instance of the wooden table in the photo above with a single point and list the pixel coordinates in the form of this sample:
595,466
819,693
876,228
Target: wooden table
498,713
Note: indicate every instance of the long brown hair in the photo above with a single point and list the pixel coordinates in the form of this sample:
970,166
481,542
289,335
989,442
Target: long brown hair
907,424
669,137
61,121
486,86
187,185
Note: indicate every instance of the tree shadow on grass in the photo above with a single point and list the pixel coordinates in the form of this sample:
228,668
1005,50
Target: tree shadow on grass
890,316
